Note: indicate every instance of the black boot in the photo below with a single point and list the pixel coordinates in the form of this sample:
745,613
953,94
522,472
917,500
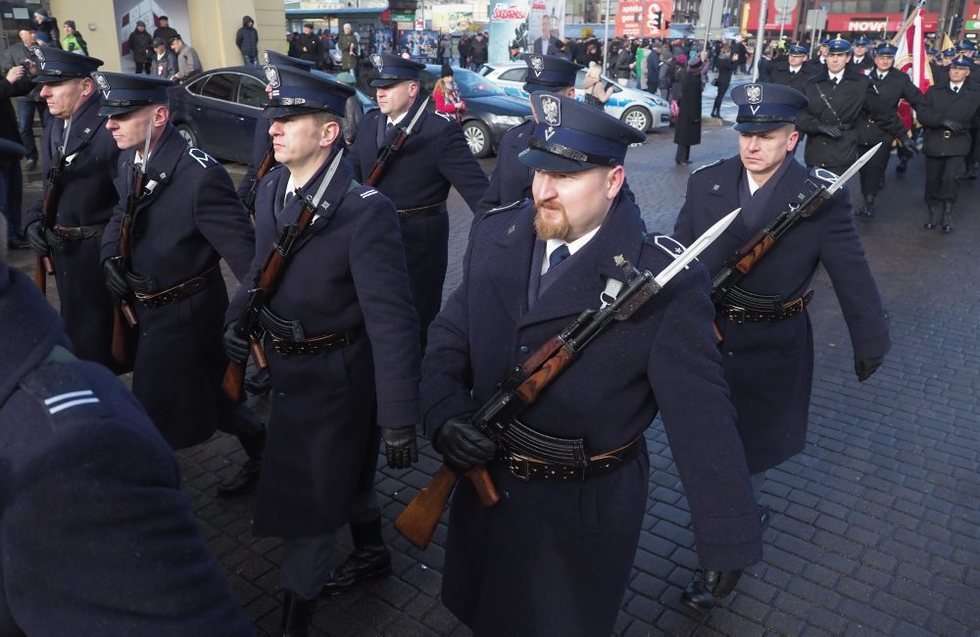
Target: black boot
369,560
716,114
933,214
707,588
296,615
248,476
947,217
869,206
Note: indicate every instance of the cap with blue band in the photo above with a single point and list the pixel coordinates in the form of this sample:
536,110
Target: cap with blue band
58,65
123,92
549,73
764,107
295,92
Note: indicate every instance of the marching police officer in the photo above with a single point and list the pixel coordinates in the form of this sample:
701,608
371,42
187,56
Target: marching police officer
767,340
97,537
880,122
185,220
792,71
342,343
511,179
417,178
82,168
554,557
861,62
947,114
968,49
836,98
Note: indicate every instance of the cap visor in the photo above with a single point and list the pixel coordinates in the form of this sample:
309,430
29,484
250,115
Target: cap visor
277,112
380,82
542,160
760,127
111,111
531,87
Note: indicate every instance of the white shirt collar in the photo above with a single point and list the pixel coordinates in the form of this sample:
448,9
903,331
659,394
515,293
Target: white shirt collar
395,121
880,74
858,60
837,77
956,87
574,246
753,186
795,69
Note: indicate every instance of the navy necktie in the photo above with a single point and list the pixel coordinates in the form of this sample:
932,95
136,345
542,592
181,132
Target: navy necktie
558,255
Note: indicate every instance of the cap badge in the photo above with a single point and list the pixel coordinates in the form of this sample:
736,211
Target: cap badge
549,133
103,84
39,55
537,65
551,110
272,74
753,93
378,62
265,57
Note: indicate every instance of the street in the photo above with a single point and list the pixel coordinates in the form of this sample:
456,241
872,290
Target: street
875,525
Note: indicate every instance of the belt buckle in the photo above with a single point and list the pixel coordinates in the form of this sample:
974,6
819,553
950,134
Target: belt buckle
947,134
520,467
794,306
737,314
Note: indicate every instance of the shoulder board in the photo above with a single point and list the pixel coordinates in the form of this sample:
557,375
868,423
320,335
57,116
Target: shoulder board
445,116
700,168
201,157
667,243
504,208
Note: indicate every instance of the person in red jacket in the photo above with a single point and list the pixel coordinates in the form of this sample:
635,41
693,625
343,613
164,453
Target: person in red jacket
447,96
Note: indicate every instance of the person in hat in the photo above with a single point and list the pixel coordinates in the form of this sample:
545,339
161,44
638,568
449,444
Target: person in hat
308,44
164,31
98,537
247,41
968,49
434,158
861,62
836,100
767,347
188,62
341,336
187,218
141,46
73,41
686,91
795,71
511,179
823,50
77,146
556,567
947,115
446,96
880,122
46,29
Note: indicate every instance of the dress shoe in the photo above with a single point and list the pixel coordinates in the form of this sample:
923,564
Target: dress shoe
243,481
933,214
296,615
869,207
947,217
365,563
708,587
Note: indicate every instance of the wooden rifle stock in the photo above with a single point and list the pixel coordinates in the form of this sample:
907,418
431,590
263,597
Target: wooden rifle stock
49,211
419,519
124,318
268,161
234,379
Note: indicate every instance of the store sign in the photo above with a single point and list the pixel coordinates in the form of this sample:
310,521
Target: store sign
403,17
509,12
867,26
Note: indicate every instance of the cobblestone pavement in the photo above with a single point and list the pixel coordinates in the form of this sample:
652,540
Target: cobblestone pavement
875,525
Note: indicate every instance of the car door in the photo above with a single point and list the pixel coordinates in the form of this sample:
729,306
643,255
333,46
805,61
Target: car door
251,100
215,119
512,81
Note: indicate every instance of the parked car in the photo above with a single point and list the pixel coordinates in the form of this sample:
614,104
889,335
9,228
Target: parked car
641,110
489,111
219,110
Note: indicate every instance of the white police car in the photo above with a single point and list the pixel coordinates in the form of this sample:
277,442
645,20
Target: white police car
641,110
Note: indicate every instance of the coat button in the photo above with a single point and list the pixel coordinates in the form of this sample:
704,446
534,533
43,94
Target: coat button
524,349
730,353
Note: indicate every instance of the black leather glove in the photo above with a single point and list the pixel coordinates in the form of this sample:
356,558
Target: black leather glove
401,449
829,131
115,280
865,367
463,445
953,125
36,237
236,346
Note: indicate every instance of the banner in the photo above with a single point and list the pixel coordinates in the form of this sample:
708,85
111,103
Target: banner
912,59
508,26
643,18
549,12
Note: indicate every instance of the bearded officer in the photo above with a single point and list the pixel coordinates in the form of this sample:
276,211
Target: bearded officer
417,179
554,557
187,218
767,344
880,122
84,194
835,101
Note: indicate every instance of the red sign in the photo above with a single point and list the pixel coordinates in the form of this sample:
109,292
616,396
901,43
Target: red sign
508,12
875,22
643,18
772,17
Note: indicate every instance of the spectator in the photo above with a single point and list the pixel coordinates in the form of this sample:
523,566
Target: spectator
188,63
725,63
164,31
293,40
446,96
464,51
597,92
444,54
164,60
141,46
16,83
668,69
46,29
622,64
347,42
73,40
247,41
687,94
326,51
547,44
308,44
29,103
653,69
478,51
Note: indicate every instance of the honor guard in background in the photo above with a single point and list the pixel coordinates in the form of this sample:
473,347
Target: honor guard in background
860,60
767,341
341,337
416,177
511,179
968,49
880,122
79,156
795,72
836,98
96,536
162,261
554,556
947,114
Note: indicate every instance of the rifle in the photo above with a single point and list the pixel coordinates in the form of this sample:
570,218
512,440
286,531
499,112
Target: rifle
268,161
49,211
523,385
749,255
247,324
389,151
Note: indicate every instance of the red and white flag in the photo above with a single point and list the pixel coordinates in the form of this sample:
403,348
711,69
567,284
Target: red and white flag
912,59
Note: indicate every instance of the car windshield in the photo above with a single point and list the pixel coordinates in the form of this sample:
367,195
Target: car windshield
473,85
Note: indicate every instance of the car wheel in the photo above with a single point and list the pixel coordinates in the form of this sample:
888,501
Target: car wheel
477,138
187,133
638,117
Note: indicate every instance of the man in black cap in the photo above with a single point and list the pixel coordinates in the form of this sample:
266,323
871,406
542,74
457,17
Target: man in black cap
860,61
80,157
836,98
342,342
417,178
141,47
880,122
554,556
947,114
309,45
164,31
767,340
186,218
792,71
511,180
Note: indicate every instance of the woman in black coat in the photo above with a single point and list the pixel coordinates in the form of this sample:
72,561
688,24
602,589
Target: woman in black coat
725,63
686,91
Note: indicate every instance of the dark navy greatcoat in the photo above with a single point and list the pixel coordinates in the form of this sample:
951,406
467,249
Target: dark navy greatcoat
769,365
190,221
554,558
348,276
511,179
87,199
434,158
842,108
942,104
781,74
879,121
96,537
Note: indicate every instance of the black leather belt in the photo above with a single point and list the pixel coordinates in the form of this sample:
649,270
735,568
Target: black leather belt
423,211
179,292
314,345
527,467
77,233
740,314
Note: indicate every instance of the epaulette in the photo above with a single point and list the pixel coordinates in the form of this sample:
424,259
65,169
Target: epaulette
445,116
201,157
504,208
700,168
